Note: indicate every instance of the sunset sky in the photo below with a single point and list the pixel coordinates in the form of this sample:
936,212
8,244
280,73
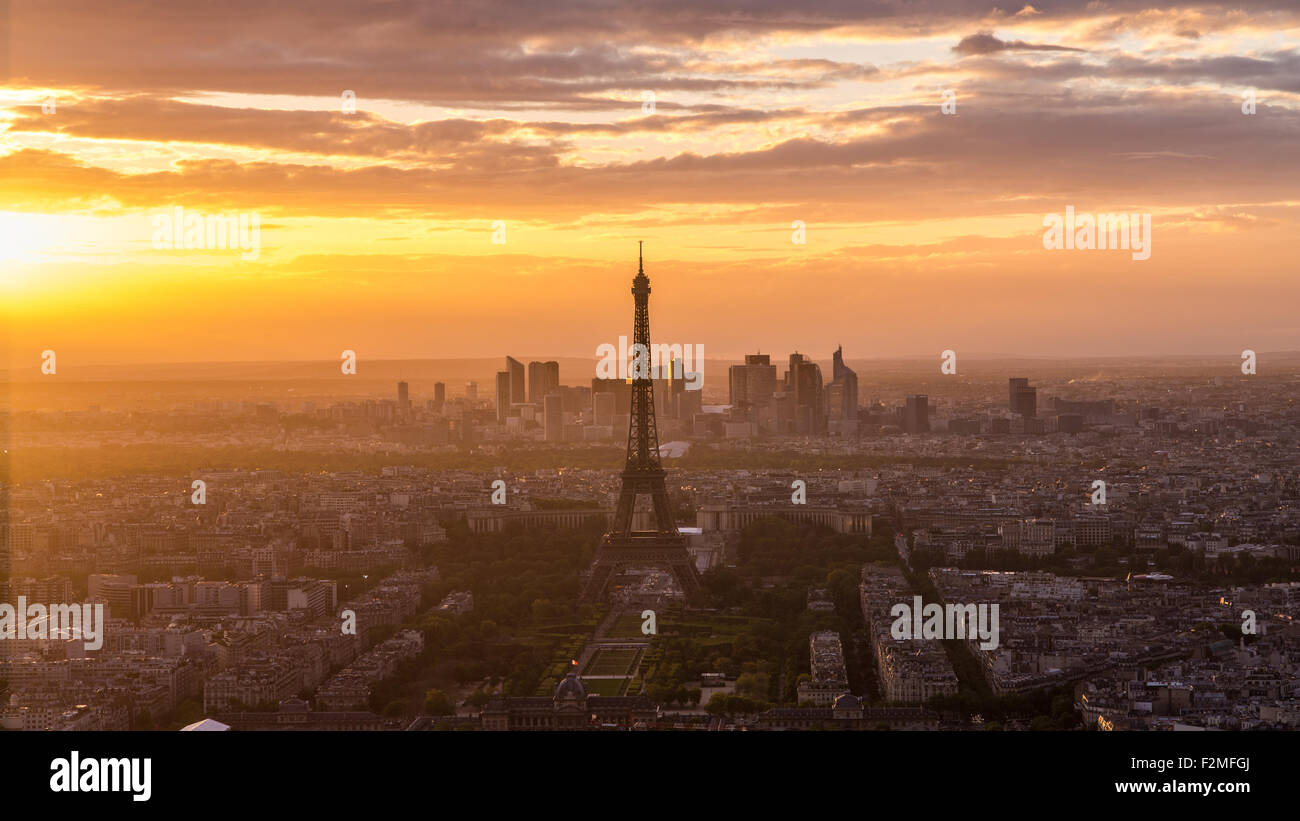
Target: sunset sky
924,230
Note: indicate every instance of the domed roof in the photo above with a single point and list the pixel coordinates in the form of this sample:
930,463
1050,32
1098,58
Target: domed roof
571,687
848,701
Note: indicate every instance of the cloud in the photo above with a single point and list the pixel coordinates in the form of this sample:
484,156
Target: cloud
986,43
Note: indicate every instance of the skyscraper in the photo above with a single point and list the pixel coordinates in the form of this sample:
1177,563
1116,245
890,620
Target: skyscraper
803,381
1012,384
842,397
515,394
916,414
621,390
471,391
602,407
753,383
543,378
553,417
503,395
403,397
738,386
439,395
1023,399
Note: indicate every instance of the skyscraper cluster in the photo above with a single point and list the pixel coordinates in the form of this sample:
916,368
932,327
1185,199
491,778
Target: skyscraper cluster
800,403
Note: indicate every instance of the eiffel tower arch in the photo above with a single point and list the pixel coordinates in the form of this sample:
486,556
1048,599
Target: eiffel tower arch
643,475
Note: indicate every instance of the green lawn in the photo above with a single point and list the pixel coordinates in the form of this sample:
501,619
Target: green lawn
612,663
628,625
604,686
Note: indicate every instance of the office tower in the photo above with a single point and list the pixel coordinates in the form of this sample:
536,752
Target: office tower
576,398
842,397
689,403
1023,399
666,392
753,383
804,382
553,417
835,399
471,391
676,385
738,386
691,378
503,395
403,397
439,394
602,406
1012,385
916,414
515,394
621,390
543,379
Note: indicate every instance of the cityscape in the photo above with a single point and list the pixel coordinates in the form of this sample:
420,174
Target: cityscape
1135,535
398,394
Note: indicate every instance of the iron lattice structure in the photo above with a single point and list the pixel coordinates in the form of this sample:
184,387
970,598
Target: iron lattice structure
643,475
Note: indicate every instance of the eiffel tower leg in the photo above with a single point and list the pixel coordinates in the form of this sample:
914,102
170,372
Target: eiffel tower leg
600,572
688,579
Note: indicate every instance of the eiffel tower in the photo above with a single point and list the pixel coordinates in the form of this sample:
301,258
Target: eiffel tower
643,474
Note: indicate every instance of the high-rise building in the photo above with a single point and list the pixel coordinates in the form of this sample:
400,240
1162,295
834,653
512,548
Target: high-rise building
738,386
503,396
577,398
543,378
516,394
439,394
553,417
803,381
403,397
471,391
603,404
689,403
620,388
916,414
842,397
1012,384
667,390
753,383
1023,399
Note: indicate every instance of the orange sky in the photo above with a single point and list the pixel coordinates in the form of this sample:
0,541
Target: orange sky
923,229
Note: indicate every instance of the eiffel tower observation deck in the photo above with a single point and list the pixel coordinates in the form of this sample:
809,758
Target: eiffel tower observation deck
643,475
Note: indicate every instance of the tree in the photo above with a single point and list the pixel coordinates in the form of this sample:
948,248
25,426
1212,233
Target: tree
436,703
752,685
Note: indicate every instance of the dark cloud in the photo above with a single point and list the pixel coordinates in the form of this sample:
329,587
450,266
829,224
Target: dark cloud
361,134
1112,153
489,53
986,43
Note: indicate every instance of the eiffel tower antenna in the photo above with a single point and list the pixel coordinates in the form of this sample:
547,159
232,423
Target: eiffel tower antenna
643,475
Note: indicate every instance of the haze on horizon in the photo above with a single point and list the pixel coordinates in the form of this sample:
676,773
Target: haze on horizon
924,230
